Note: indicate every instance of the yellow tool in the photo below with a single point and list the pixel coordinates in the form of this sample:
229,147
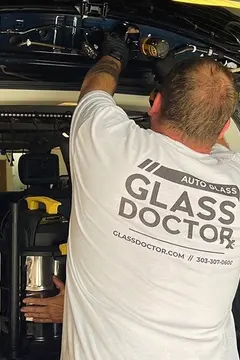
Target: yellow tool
63,249
51,205
226,3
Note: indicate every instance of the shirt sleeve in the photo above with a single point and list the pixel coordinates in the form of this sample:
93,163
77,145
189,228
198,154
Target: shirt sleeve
100,128
100,108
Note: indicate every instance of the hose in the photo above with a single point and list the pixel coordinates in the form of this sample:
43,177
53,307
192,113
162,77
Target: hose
207,51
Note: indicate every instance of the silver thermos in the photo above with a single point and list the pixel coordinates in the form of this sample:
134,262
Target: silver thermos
39,272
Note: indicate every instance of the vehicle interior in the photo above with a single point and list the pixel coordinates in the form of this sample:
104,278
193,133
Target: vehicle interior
45,52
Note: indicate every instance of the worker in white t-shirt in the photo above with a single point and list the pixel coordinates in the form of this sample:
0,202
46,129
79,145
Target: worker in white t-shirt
154,241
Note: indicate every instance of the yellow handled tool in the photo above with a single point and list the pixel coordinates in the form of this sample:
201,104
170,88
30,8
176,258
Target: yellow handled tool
63,249
51,205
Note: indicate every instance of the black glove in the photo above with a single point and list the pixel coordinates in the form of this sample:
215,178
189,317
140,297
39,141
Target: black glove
116,47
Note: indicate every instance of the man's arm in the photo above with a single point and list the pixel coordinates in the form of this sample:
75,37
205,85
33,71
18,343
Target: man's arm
102,76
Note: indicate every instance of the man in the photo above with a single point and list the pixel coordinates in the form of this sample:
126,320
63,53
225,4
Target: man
50,310
153,251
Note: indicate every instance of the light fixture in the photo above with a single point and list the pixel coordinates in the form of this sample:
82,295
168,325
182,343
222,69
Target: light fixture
68,104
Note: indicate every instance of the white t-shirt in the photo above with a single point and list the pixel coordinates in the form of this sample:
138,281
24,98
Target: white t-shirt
154,243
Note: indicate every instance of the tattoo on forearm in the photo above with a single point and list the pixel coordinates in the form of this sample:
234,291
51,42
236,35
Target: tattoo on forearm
96,79
107,66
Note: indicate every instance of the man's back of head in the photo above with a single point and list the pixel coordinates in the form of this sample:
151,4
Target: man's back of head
198,98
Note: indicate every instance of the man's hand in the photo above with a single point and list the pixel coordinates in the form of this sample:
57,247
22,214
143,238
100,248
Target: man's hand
116,47
104,75
46,310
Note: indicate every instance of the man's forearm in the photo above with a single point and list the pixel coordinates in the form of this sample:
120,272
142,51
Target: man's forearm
102,76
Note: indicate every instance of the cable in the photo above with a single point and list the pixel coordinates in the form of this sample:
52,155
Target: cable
87,49
3,67
208,51
28,42
51,26
236,38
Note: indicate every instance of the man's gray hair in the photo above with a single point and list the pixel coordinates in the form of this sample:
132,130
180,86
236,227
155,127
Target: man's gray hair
199,97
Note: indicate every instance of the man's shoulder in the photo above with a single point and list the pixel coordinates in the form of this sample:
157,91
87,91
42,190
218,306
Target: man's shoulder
91,104
99,122
226,155
95,97
98,108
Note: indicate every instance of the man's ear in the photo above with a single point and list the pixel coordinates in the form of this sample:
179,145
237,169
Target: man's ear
156,107
225,128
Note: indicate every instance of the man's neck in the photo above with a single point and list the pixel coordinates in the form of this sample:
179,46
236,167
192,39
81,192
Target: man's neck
179,136
223,142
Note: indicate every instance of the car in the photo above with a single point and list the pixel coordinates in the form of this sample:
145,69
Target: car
45,52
